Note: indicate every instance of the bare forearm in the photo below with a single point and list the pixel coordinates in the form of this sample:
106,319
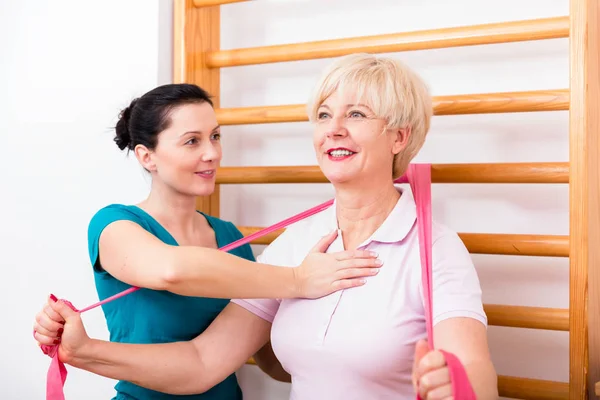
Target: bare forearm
197,271
483,378
174,368
466,338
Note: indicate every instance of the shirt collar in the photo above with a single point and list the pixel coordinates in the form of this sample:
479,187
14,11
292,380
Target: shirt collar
394,228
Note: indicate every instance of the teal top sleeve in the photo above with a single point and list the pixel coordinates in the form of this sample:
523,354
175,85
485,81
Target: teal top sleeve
101,220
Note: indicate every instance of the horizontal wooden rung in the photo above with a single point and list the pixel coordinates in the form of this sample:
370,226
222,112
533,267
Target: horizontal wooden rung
486,103
481,34
478,243
532,389
208,3
554,319
522,388
517,245
551,172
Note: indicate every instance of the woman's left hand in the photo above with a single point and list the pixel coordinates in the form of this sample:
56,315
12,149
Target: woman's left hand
431,377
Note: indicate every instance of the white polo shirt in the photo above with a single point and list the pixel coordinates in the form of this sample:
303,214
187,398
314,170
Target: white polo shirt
359,343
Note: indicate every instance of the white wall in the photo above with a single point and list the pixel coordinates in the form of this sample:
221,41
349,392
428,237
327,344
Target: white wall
68,68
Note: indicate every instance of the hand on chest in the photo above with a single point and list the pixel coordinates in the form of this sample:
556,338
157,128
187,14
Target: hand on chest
365,326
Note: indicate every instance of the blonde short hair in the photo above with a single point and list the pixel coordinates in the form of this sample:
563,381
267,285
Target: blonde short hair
392,90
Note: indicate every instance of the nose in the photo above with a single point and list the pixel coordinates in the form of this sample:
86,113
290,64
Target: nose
336,128
210,153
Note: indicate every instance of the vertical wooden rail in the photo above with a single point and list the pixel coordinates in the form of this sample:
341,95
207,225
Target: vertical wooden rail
584,199
195,32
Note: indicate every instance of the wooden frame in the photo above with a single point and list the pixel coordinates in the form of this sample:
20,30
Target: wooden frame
198,59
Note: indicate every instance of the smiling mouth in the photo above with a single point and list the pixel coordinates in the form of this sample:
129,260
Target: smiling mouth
340,154
206,174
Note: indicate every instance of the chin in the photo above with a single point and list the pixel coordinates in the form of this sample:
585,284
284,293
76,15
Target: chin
339,177
200,189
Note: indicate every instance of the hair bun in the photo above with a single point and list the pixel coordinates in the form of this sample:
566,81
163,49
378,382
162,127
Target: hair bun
123,135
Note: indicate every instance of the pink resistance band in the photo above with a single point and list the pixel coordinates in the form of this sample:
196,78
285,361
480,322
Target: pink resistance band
419,177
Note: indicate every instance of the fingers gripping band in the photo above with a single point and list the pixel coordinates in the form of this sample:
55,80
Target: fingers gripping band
57,373
419,178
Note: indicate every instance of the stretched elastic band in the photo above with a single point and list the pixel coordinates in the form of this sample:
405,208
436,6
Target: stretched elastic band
419,177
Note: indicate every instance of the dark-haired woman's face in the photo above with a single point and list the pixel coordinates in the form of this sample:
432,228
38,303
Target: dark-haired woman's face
189,150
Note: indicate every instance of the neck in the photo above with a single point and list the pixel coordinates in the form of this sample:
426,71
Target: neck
174,211
361,210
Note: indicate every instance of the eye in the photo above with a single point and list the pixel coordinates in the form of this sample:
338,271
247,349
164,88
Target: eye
322,115
356,114
215,136
191,141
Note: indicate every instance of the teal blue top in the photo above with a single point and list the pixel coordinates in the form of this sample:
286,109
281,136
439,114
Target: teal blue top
150,316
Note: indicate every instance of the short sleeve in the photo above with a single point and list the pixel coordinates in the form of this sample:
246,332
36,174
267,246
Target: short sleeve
100,221
263,308
456,287
279,252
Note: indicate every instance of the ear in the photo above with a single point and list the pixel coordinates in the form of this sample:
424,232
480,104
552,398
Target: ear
144,156
400,140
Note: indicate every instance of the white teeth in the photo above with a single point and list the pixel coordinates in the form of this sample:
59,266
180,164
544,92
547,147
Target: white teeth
206,173
341,153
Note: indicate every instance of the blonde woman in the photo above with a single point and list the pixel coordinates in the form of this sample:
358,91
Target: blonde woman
371,116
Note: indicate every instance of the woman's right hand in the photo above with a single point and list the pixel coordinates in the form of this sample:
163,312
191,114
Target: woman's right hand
57,324
323,273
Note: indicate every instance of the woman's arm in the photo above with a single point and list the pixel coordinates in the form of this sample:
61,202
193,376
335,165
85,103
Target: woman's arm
267,361
176,368
466,338
134,256
459,324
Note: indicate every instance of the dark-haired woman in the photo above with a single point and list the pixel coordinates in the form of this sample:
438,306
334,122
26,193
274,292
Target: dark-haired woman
171,250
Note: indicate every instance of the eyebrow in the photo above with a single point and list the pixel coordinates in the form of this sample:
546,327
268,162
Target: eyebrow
199,132
347,105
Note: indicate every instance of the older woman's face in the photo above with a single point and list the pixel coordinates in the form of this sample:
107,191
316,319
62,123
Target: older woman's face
351,143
